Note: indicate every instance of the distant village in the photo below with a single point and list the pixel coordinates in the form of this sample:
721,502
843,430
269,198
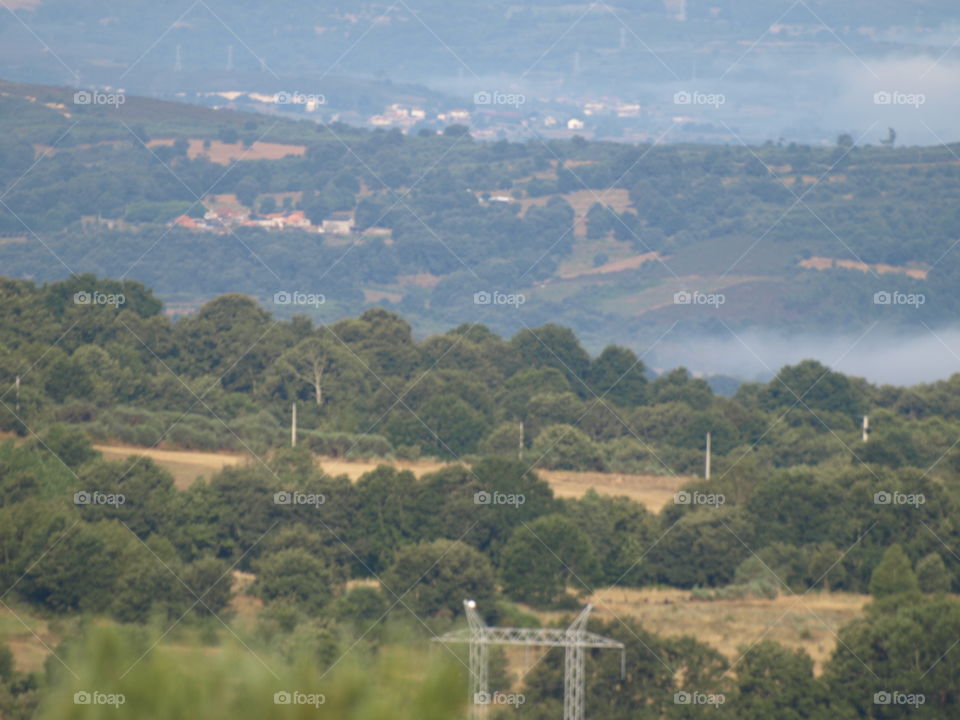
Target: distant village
223,218
493,115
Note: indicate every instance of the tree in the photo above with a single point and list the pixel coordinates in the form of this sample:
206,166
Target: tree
811,384
545,556
295,576
774,682
436,577
78,573
932,574
67,378
456,131
210,581
147,489
388,514
455,427
713,541
908,648
232,338
503,441
229,135
70,445
552,346
893,574
564,447
247,190
147,581
313,361
450,500
619,376
268,205
600,221
362,607
621,531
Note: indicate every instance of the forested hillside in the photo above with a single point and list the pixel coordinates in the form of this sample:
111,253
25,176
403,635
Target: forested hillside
598,236
797,502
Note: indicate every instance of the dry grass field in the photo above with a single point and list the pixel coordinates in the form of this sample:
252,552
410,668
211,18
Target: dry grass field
185,466
824,263
807,621
653,491
28,637
225,153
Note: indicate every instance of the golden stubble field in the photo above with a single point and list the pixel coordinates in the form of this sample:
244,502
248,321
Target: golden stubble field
810,621
653,491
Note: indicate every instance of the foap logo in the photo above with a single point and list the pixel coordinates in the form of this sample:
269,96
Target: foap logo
685,497
482,297
496,97
283,297
286,497
698,698
685,297
499,698
93,697
92,97
898,498
685,97
899,298
96,497
895,97
298,98
893,697
295,697
98,298
498,498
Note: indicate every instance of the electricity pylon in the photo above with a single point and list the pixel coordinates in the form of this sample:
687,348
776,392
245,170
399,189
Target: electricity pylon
574,639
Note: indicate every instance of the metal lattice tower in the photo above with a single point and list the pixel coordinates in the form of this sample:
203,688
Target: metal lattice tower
574,639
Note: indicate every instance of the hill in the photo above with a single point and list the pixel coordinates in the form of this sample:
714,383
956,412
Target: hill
616,241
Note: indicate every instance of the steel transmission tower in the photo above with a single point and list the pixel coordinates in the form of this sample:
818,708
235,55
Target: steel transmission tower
574,639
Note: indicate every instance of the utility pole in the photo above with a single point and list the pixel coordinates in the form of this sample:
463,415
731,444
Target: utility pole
293,427
17,383
866,428
520,448
706,464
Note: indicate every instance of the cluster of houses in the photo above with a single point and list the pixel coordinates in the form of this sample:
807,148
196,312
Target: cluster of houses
224,219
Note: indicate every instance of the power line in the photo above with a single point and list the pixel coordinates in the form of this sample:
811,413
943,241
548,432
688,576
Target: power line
574,639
